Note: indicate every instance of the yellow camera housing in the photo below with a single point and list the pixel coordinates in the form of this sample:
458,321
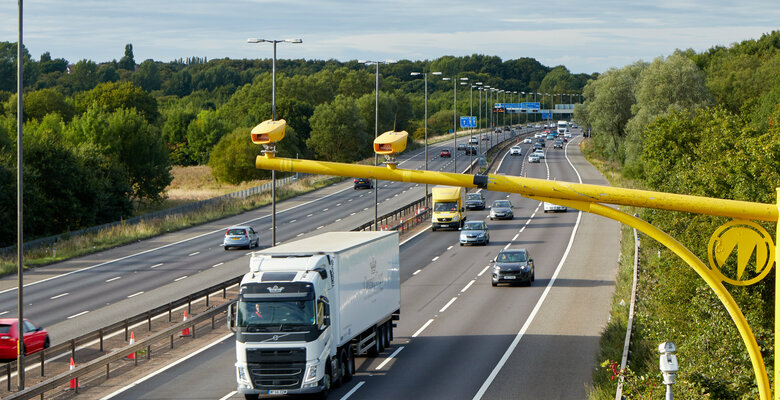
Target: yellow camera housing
390,142
268,132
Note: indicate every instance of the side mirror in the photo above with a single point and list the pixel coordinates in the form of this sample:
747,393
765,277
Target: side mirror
462,209
38,329
492,261
231,323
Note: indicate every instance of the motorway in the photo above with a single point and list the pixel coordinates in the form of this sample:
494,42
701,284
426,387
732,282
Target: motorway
86,293
458,337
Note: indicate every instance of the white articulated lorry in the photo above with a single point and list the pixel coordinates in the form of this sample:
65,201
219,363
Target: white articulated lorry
307,308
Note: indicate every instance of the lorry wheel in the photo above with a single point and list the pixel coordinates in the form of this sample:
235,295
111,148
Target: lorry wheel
347,363
380,338
385,336
390,331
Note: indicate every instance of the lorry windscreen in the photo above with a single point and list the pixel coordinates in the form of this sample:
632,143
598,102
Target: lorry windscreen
445,206
275,314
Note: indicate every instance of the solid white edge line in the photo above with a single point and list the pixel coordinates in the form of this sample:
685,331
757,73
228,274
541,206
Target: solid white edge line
354,389
446,306
414,236
483,270
422,328
530,319
169,366
538,305
387,360
468,285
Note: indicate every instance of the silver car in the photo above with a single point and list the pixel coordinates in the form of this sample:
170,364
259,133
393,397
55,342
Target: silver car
501,209
474,232
241,236
513,266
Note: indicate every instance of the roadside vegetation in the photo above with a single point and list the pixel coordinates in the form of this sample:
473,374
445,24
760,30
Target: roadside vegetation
703,124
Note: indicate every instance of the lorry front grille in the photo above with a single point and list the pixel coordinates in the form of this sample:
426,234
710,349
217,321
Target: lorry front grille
276,368
445,219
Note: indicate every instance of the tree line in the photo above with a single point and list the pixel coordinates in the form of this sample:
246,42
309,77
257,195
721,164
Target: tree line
100,138
701,124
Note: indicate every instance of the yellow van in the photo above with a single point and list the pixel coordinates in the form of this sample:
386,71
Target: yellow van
448,207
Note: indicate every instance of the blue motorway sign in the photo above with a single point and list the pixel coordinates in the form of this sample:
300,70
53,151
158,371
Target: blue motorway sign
468,122
521,106
547,115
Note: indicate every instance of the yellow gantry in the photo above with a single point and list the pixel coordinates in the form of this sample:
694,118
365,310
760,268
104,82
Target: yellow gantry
590,198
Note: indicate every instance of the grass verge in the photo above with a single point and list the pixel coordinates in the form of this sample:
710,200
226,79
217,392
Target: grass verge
605,376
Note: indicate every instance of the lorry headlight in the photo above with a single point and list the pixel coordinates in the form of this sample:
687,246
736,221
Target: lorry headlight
242,375
311,373
455,217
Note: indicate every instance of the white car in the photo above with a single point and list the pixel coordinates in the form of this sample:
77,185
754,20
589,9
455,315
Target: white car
533,158
567,135
538,135
550,207
516,151
539,153
527,140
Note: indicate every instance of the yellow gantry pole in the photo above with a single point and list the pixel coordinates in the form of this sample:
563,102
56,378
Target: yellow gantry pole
586,197
533,188
777,296
712,280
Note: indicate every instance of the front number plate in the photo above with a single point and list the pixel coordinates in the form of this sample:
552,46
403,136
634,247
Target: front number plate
277,392
510,277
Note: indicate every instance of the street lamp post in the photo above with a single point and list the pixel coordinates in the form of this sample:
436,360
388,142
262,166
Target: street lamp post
454,118
376,133
273,118
19,209
425,78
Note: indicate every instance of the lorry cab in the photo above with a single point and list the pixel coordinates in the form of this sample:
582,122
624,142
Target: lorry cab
448,207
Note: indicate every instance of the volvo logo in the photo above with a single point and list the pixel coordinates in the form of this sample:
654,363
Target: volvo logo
276,289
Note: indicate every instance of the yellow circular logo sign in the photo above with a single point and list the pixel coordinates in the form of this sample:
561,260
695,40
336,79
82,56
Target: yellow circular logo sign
737,245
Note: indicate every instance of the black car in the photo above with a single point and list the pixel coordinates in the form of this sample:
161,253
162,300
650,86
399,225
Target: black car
513,266
363,183
472,150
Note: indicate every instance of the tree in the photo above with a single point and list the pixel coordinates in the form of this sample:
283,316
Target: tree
49,65
608,108
148,76
84,76
180,84
39,103
107,73
387,106
233,158
117,95
665,85
336,135
8,67
128,61
129,140
174,132
202,134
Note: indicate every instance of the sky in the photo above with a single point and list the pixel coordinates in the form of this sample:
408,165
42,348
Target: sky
584,36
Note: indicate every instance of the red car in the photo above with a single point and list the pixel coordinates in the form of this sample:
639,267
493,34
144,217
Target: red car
445,153
35,338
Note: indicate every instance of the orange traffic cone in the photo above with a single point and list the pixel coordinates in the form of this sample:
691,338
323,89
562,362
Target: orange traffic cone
131,356
72,381
185,331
